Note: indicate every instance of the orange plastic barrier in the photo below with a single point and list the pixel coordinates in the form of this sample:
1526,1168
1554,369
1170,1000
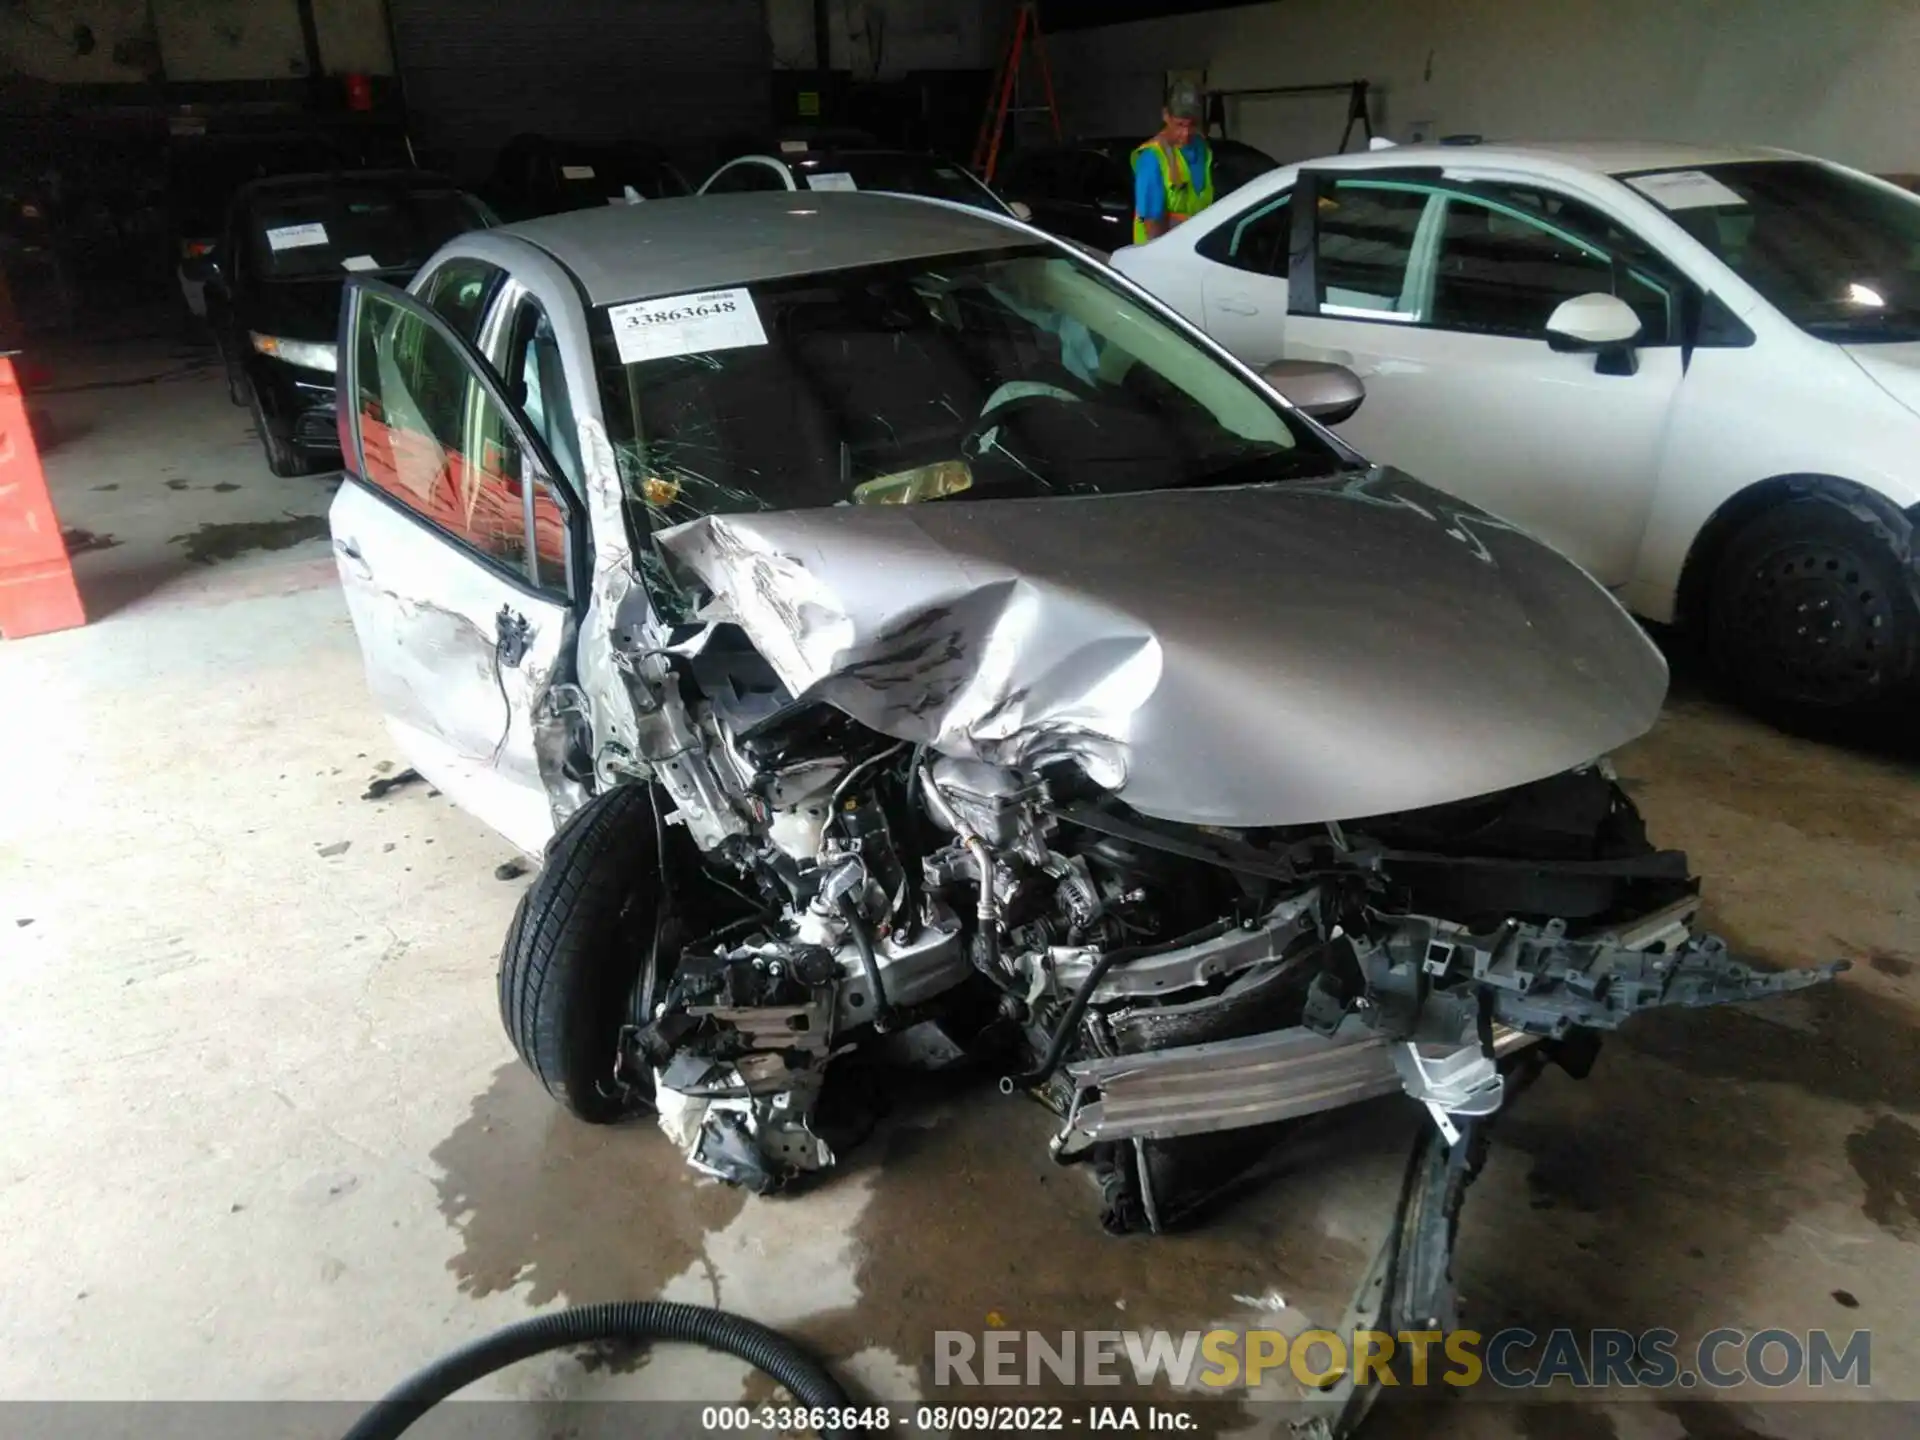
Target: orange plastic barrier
36,580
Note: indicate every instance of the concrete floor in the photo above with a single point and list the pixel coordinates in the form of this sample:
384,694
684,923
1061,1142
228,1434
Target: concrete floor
265,1138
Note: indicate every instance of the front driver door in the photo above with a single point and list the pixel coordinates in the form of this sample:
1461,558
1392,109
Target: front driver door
1437,294
459,556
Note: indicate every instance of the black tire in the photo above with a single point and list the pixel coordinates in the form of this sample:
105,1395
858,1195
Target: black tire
284,458
1812,616
239,388
576,947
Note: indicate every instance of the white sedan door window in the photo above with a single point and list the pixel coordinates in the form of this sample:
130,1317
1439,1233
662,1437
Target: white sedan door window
456,558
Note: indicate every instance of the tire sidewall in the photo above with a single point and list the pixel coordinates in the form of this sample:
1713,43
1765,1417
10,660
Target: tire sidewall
282,459
576,947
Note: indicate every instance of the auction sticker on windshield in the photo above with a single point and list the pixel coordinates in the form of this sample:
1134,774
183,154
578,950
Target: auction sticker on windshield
685,325
1685,190
294,237
831,180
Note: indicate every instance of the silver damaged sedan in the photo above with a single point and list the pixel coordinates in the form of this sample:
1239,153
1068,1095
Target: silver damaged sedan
900,633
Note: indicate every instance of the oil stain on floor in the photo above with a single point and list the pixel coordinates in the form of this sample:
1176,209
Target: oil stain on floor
1886,1156
572,1211
217,541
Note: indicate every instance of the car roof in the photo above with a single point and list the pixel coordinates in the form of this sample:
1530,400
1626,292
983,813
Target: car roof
822,152
307,180
701,242
1130,143
1601,157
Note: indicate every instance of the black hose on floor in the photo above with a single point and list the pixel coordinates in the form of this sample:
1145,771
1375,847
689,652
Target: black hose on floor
766,1350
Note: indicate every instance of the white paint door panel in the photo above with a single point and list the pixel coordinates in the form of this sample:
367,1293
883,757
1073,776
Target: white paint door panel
430,619
1541,439
1247,313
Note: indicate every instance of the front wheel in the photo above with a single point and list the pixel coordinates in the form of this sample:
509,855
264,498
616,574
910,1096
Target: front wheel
1812,614
576,949
284,458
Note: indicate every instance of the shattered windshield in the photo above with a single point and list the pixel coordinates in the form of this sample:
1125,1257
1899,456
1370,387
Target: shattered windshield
1837,255
1001,374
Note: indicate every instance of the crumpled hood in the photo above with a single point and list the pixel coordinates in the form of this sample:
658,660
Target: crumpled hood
1265,655
1894,368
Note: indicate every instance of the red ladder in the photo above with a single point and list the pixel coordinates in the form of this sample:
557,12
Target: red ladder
1006,89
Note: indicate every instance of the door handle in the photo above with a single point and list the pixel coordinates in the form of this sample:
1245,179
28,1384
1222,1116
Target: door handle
348,549
1234,305
512,636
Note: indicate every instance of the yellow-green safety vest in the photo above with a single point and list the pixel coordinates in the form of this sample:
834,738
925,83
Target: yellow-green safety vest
1183,200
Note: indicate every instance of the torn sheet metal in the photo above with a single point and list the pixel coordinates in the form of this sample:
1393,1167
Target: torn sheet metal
1261,655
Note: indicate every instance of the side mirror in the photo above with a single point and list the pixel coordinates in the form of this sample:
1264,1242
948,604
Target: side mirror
1603,325
1329,393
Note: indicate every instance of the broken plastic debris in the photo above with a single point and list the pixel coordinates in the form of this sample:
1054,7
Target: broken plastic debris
380,787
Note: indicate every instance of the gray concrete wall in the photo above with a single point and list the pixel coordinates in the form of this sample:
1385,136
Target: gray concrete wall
1829,76
230,39
199,39
883,39
38,40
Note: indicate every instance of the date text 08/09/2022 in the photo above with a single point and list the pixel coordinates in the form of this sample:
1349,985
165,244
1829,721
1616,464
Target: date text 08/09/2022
979,1419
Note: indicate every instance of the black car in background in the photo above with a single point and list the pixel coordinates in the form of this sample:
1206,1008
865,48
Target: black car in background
205,171
275,278
820,163
1083,190
540,175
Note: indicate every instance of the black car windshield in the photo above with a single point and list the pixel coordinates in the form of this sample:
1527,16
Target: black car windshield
1837,255
1013,373
301,234
583,179
900,172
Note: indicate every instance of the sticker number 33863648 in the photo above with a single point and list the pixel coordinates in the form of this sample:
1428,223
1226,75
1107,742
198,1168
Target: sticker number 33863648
686,325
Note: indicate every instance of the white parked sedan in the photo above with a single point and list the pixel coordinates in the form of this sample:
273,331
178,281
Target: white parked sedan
1696,372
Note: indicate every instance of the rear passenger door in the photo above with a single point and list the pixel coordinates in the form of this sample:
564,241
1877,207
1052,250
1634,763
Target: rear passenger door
460,554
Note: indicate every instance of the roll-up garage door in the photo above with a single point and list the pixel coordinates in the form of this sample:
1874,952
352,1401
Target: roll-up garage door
680,73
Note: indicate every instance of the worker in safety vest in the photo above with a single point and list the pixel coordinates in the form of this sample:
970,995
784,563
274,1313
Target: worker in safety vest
1172,172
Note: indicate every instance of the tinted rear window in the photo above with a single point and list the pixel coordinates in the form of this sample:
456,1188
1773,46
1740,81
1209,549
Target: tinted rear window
325,231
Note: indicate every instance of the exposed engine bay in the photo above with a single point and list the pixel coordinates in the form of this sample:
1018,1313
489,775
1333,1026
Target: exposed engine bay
1150,981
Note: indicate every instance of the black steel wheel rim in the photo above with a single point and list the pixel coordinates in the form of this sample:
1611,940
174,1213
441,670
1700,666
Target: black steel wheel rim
1811,624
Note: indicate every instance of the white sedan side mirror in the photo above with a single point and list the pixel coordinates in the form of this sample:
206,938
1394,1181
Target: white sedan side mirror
1604,325
1588,322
